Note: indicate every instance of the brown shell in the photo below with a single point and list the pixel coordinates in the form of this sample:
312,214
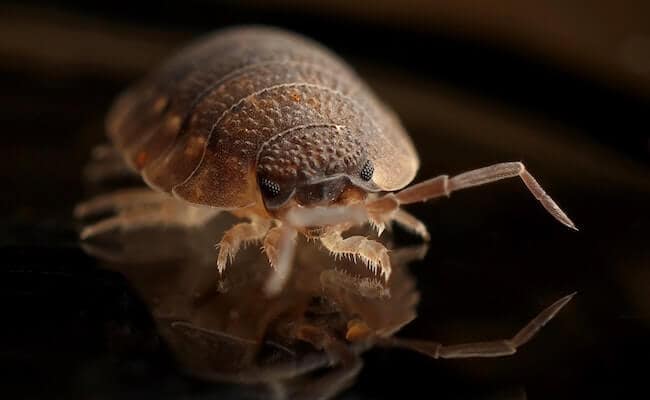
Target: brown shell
195,127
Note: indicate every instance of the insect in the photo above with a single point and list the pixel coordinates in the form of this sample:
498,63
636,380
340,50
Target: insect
274,128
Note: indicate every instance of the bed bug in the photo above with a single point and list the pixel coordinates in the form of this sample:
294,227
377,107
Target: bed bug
274,128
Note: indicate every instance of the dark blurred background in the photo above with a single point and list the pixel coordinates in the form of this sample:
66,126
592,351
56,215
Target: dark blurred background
564,87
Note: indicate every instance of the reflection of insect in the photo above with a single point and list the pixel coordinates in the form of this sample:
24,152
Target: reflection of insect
276,129
304,343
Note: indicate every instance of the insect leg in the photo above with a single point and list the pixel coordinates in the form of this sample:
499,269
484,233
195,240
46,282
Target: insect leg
373,253
386,209
237,236
408,221
279,246
119,200
169,212
496,348
444,186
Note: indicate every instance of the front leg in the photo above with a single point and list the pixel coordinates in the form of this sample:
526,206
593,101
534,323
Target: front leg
373,253
280,247
238,235
386,206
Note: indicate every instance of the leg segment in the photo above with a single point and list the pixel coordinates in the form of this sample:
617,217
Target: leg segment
409,222
444,186
279,246
238,235
160,213
373,253
496,348
271,245
120,200
385,210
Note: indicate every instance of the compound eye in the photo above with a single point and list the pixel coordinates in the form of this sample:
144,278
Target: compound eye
367,171
269,188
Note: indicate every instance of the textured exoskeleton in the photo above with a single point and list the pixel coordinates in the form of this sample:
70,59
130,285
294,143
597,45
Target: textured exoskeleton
275,128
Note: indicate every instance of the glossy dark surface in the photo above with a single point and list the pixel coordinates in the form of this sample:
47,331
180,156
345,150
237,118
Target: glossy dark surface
73,329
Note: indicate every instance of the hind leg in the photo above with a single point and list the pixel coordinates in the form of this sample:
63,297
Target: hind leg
139,208
120,200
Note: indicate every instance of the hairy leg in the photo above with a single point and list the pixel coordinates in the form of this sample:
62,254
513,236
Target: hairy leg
373,253
240,234
279,246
